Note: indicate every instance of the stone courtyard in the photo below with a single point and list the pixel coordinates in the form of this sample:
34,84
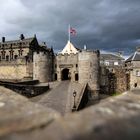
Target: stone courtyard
60,96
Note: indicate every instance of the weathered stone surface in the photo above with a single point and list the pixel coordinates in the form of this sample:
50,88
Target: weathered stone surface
18,113
113,119
60,96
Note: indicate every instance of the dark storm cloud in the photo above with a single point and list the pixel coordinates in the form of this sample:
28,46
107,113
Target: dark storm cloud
101,24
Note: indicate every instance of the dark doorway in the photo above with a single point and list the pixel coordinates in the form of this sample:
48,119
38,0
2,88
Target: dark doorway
55,76
135,85
65,74
76,77
128,81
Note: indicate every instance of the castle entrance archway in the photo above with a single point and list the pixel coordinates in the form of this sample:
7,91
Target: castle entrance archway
65,74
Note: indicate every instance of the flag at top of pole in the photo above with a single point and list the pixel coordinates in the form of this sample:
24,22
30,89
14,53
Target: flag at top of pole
71,31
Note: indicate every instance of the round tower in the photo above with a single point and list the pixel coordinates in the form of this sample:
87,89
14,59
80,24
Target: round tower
89,70
41,66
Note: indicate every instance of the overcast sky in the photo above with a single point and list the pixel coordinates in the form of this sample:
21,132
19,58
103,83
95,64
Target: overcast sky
108,25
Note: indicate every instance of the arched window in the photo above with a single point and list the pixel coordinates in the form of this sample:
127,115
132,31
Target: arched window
7,57
135,85
137,73
15,56
56,76
76,77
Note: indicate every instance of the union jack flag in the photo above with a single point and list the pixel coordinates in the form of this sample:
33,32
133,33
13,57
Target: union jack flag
72,31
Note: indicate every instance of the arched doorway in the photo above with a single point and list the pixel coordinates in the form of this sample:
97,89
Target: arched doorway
65,74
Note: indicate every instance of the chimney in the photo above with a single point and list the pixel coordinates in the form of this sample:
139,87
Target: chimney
3,39
85,47
22,37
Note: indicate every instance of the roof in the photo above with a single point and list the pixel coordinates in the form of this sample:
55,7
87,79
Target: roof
69,48
28,40
111,57
134,57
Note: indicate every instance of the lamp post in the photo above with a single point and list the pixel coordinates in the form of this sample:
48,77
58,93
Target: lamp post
74,105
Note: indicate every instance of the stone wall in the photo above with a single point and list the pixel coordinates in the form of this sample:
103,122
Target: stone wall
67,61
42,66
135,74
104,80
89,70
113,80
121,79
13,71
27,90
115,118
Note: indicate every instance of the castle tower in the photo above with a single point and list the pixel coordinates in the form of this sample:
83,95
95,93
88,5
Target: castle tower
67,63
89,70
43,65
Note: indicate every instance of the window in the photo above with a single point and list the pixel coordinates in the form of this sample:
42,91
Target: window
76,77
101,62
35,64
137,73
18,52
76,65
3,54
56,76
21,52
90,64
106,63
15,56
7,57
116,63
135,85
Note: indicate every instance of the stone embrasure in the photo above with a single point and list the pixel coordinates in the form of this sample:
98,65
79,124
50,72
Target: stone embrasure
114,118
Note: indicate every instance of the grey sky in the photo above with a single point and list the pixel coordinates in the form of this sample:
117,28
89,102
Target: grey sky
101,24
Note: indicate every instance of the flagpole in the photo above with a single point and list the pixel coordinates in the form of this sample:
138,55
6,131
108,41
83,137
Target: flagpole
69,32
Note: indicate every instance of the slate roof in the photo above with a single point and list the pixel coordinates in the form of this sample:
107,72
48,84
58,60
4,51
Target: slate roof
134,57
110,57
28,40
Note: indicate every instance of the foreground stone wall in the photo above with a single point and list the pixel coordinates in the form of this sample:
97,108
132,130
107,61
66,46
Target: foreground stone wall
18,114
115,118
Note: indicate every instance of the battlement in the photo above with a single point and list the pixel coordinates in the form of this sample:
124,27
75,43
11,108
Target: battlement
87,50
66,54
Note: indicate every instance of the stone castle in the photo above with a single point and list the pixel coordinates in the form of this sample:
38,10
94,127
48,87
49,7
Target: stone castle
26,59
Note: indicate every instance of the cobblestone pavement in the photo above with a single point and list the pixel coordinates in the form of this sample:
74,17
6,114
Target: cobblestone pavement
59,98
56,98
